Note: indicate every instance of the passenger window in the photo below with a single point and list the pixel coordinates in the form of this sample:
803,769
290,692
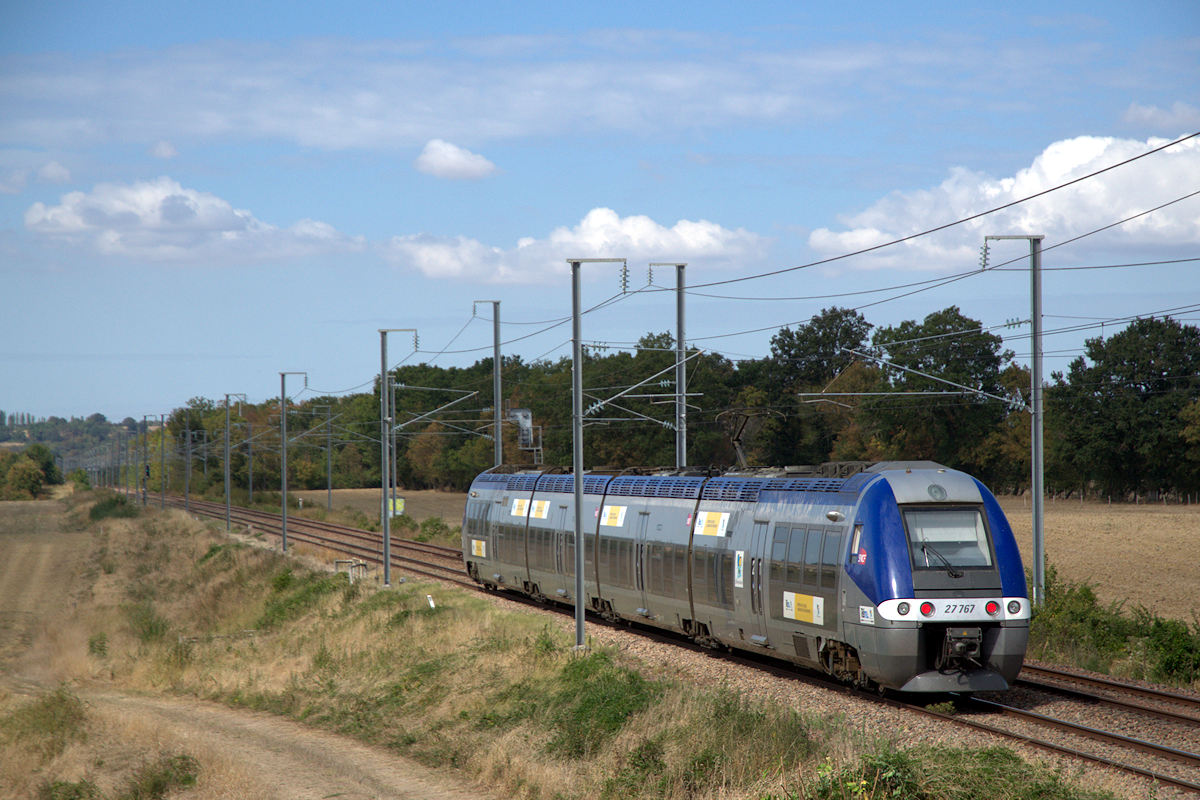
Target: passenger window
795,555
812,558
779,552
829,560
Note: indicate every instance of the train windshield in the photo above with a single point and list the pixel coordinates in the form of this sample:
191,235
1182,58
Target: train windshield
947,538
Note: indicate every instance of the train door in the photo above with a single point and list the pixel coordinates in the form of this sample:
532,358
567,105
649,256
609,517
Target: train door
564,550
640,562
751,573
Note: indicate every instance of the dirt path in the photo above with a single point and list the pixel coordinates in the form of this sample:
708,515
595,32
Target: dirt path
45,571
288,760
35,555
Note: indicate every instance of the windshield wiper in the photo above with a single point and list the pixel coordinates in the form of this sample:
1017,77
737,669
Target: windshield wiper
927,548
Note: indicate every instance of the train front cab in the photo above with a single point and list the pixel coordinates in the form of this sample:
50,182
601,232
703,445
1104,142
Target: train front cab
936,598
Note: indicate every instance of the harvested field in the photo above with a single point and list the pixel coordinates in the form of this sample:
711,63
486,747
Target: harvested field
1141,555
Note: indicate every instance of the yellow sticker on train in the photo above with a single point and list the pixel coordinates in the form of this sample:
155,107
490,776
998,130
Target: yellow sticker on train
712,523
804,608
613,516
541,509
520,506
479,548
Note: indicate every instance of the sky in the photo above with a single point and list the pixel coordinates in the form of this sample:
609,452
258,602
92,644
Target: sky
195,198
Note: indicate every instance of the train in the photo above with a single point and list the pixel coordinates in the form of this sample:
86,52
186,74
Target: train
891,575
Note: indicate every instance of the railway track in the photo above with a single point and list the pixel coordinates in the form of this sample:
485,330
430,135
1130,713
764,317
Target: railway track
1142,731
420,558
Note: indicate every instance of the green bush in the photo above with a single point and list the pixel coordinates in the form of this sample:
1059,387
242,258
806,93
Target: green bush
69,790
147,624
114,505
79,477
48,723
292,596
1071,626
153,781
593,699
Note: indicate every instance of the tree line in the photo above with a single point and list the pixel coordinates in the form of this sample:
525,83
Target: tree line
1121,420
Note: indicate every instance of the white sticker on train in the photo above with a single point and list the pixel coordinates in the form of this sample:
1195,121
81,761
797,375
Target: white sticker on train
712,523
613,516
520,507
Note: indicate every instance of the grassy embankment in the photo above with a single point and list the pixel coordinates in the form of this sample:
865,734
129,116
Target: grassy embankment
177,608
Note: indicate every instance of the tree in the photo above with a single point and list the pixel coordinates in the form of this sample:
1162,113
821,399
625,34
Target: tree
807,359
1120,420
44,459
949,429
24,478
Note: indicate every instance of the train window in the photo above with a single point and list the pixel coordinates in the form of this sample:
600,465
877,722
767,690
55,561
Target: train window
779,553
722,579
947,538
829,560
812,558
795,555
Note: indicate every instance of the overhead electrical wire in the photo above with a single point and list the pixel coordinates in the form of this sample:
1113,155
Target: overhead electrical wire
935,283
947,225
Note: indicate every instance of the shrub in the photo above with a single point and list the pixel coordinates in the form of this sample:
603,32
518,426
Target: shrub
69,790
147,624
1072,626
292,596
48,723
593,699
114,505
153,781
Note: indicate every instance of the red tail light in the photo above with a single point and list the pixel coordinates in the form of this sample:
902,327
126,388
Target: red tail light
927,609
992,607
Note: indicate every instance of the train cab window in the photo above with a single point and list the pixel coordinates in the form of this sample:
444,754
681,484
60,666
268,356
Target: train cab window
947,538
829,560
812,558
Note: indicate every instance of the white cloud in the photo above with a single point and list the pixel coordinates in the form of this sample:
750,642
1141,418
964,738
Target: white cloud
160,220
54,172
442,159
601,233
1060,215
163,149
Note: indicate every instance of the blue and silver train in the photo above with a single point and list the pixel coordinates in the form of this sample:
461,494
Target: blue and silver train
900,575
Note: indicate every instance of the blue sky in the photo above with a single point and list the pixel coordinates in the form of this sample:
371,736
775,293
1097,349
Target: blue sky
194,198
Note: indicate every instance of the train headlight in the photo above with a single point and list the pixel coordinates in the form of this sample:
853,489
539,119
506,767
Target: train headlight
903,608
992,608
927,609
1014,606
